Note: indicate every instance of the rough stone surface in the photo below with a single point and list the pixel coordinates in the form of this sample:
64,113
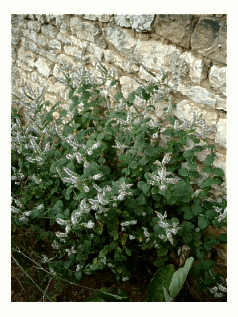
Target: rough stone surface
217,78
43,67
177,28
185,109
140,23
89,31
191,47
221,132
209,38
122,39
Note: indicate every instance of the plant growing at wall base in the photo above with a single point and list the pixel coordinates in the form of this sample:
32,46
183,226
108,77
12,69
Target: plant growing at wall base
109,181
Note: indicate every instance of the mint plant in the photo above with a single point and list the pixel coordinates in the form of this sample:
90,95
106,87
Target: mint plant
104,181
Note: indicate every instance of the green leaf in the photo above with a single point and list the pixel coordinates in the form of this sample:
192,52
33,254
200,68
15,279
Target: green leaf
113,83
183,171
134,165
217,180
181,189
108,297
188,153
150,150
206,182
160,281
218,171
196,209
179,278
78,275
166,296
211,213
203,222
222,238
207,169
141,200
209,159
192,166
205,265
143,186
118,96
131,97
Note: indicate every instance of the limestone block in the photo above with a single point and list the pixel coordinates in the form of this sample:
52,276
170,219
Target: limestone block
155,55
177,28
51,98
31,35
55,44
127,85
196,67
221,103
91,17
42,40
185,109
221,132
72,50
49,54
118,61
24,66
32,47
123,20
34,25
49,30
99,17
43,66
23,54
94,52
140,23
34,77
47,83
62,58
122,39
61,90
65,38
198,94
209,38
217,78
89,31
104,17
40,17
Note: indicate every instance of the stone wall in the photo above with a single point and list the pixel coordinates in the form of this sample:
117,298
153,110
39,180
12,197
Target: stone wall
192,48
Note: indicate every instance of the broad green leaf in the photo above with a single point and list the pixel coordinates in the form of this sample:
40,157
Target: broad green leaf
209,159
218,171
181,189
118,96
179,278
192,166
206,182
150,150
196,209
203,222
108,297
183,171
166,296
205,265
160,281
143,186
131,97
188,153
217,180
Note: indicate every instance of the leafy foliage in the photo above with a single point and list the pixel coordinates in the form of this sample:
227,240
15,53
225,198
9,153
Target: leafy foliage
101,178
